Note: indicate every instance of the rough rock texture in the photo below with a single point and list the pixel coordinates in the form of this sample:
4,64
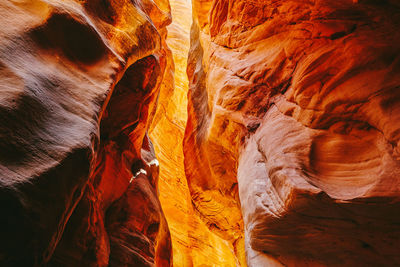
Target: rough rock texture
298,102
193,243
290,138
78,175
210,155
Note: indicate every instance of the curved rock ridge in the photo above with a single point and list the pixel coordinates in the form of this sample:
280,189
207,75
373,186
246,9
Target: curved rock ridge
293,123
78,174
192,242
285,151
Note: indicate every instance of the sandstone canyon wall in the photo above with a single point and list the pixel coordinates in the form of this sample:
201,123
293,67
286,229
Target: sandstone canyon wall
192,242
78,174
276,126
293,123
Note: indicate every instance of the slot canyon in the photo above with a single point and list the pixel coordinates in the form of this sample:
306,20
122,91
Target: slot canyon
196,133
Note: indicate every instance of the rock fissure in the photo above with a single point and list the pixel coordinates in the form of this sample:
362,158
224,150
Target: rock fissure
199,133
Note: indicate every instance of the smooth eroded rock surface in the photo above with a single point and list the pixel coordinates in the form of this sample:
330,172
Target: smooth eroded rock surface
78,175
193,243
294,121
280,147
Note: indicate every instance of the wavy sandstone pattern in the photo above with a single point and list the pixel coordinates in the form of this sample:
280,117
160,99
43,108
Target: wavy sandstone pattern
279,146
80,80
301,98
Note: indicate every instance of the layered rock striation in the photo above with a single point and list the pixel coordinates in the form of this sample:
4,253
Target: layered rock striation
283,153
293,124
78,174
210,156
192,242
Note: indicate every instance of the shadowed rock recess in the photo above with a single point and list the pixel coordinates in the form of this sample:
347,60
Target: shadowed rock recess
276,125
78,174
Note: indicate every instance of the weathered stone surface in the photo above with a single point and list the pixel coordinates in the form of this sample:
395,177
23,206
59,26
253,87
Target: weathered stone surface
288,148
298,103
210,156
193,243
79,83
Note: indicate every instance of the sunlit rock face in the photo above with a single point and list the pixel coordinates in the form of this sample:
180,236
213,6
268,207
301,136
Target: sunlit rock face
78,174
192,242
210,155
298,103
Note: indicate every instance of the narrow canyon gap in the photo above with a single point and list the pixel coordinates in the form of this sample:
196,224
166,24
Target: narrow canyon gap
193,243
199,133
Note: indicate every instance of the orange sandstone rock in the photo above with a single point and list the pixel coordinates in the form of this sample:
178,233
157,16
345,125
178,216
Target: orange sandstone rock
290,147
211,155
193,243
79,84
296,104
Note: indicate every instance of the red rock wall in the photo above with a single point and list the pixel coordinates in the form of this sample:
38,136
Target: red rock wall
192,242
78,175
294,121
290,147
